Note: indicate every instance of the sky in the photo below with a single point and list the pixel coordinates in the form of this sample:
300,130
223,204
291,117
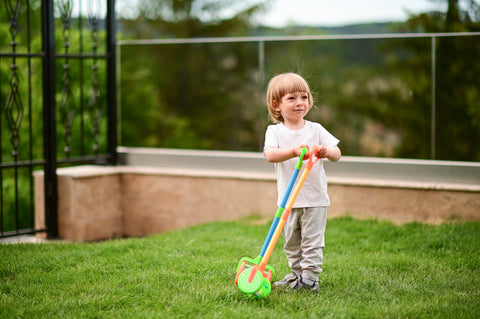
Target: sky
343,12
316,12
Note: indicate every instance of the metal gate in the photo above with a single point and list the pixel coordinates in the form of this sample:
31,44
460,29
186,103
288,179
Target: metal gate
57,100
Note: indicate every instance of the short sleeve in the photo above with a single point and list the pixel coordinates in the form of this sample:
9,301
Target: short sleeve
271,139
326,138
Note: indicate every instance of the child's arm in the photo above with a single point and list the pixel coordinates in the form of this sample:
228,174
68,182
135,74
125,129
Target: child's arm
275,155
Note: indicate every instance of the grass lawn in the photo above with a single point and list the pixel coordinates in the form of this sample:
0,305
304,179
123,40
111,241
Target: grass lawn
372,270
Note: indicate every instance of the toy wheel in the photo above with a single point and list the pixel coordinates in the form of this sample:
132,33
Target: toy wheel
259,287
265,290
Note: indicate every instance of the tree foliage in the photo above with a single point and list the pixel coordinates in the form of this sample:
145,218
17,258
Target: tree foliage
191,18
375,95
192,91
457,95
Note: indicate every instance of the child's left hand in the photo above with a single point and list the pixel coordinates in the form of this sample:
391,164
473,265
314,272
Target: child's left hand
321,151
333,153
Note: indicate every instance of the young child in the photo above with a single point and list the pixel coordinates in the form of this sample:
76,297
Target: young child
289,100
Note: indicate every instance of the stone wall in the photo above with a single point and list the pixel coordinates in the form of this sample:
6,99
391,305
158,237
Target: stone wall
97,202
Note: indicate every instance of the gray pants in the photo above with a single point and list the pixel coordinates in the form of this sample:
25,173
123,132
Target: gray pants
304,234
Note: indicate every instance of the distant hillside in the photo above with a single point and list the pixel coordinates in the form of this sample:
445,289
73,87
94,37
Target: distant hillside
366,28
371,28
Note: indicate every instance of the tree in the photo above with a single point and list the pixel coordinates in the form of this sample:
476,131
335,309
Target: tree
189,89
458,68
191,18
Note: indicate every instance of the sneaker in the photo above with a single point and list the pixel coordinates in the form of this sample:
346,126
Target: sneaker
287,280
304,284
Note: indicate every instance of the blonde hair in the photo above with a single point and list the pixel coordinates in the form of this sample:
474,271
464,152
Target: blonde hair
281,85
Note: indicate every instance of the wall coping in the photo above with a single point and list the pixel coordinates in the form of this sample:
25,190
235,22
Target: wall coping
349,171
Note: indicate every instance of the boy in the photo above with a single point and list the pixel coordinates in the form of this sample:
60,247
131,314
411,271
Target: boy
289,99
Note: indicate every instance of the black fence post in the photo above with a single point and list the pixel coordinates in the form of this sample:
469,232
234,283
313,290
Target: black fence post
111,84
49,122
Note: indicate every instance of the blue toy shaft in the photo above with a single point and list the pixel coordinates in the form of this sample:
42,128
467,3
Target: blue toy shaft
280,209
279,212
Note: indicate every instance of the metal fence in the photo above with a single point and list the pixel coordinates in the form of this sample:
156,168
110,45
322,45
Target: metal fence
57,98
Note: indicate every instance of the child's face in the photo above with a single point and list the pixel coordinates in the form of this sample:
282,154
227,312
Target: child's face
293,106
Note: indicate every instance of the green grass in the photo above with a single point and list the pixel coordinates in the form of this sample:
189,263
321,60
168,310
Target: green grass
372,270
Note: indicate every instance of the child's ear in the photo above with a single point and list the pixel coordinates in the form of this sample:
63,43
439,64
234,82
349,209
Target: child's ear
275,106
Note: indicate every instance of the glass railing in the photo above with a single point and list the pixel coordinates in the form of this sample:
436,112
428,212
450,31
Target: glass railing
389,95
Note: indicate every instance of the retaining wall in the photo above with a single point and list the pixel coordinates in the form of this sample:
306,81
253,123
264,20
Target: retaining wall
159,190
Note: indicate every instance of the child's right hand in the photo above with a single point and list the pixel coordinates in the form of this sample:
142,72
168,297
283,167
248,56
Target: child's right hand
298,151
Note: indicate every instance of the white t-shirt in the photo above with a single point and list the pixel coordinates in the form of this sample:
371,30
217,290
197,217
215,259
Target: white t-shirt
314,191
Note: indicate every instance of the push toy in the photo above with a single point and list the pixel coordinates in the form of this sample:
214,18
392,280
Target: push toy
254,275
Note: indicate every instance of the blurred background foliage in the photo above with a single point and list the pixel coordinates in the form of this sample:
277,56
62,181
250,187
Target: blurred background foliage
375,95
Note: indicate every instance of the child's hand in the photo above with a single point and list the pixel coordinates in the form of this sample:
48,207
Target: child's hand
322,151
333,153
298,151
